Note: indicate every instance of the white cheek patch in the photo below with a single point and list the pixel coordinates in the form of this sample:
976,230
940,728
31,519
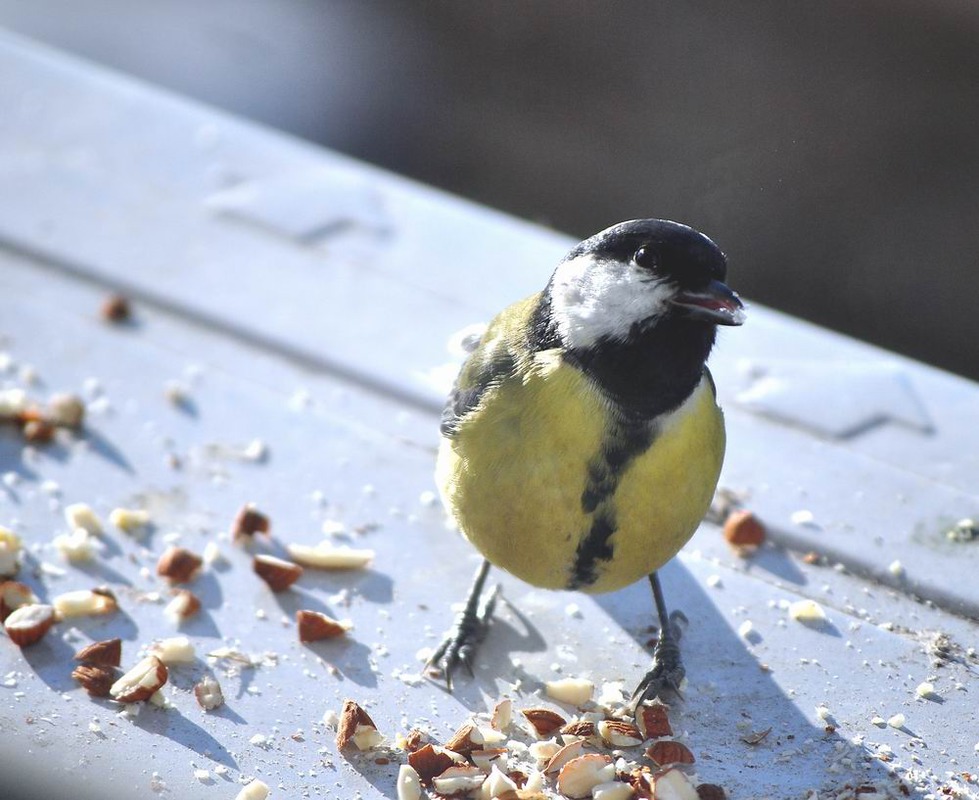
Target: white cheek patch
592,300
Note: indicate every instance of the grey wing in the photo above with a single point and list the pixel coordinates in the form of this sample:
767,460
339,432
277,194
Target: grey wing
480,372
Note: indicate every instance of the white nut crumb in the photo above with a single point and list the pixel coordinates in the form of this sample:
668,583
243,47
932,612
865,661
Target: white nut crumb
746,629
673,785
256,450
613,790
497,784
326,556
714,581
129,520
582,774
81,515
10,549
140,682
175,650
573,691
807,611
502,715
897,721
367,737
409,783
926,691
804,517
78,547
212,554
459,780
208,693
256,790
260,740
202,775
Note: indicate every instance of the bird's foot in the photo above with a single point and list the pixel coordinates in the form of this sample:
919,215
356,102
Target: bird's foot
665,677
463,639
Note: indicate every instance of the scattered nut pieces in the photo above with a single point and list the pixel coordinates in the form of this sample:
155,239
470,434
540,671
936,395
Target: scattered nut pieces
743,531
84,603
502,715
667,752
129,520
208,693
175,650
465,740
581,727
184,605
10,549
653,721
255,790
573,691
278,573
327,556
96,679
580,775
115,308
314,626
671,784
178,565
13,595
357,727
107,653
28,624
619,733
140,682
543,720
249,521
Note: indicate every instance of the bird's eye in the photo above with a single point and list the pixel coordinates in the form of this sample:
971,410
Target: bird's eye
646,258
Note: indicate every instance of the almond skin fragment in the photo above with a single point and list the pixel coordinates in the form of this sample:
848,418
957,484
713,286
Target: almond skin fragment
178,565
13,595
96,679
617,733
140,682
653,721
463,742
582,728
278,573
314,626
249,521
184,605
667,752
28,624
543,720
742,530
351,717
429,761
107,653
563,756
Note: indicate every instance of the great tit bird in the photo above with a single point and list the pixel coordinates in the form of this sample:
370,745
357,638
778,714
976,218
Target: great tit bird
582,442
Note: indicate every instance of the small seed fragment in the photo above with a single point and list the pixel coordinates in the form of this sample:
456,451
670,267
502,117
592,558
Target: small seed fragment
314,626
178,565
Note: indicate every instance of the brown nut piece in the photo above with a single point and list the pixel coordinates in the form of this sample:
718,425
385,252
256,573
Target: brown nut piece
178,565
429,761
278,573
115,308
208,693
107,653
653,721
618,733
354,723
543,720
667,752
29,623
96,679
743,530
582,728
249,521
314,626
463,740
184,605
140,682
711,791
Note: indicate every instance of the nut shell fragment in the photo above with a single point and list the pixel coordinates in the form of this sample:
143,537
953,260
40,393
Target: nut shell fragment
278,573
543,720
314,626
653,721
96,679
107,653
28,624
667,752
178,565
141,681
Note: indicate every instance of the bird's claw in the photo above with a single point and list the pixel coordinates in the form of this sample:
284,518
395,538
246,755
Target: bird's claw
462,640
665,677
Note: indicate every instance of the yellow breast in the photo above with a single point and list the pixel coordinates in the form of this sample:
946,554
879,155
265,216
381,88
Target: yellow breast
515,474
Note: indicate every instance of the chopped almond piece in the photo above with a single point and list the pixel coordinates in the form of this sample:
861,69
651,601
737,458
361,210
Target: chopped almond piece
543,720
178,565
314,626
278,573
96,679
107,653
249,521
28,624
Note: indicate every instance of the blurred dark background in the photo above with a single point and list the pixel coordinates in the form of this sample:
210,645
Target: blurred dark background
830,147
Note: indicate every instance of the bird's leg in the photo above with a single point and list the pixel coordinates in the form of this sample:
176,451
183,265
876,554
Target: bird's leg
468,630
667,671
